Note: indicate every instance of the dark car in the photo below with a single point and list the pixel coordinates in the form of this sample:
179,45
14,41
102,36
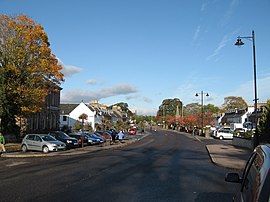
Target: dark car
255,180
113,134
92,139
63,137
82,138
99,136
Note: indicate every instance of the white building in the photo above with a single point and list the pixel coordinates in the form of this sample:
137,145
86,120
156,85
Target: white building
70,114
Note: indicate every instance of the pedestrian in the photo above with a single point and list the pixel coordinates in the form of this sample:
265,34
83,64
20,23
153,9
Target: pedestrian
120,136
2,143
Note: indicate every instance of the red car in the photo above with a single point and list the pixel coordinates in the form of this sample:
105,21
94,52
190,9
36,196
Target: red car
132,131
105,134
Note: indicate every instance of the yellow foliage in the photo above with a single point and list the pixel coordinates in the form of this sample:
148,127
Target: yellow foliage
30,70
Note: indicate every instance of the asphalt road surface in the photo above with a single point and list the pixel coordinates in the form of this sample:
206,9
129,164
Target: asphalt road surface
164,166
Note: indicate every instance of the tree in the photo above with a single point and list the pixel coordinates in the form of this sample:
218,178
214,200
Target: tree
192,108
234,102
169,106
124,108
83,117
193,114
211,108
29,71
264,123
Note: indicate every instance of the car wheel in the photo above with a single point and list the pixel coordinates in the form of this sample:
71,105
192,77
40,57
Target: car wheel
45,149
24,148
221,137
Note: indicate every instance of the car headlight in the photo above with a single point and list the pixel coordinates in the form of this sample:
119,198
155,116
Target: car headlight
69,141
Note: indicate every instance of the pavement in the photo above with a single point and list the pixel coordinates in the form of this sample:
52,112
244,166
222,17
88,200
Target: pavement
221,154
228,156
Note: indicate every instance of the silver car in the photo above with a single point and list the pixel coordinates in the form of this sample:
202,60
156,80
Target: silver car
255,180
41,142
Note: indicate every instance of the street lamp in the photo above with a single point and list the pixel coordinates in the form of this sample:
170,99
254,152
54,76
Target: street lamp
239,42
206,94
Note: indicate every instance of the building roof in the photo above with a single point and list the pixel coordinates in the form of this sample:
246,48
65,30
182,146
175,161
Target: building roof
67,108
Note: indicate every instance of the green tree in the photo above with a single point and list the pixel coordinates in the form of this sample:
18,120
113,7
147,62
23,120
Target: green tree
169,106
124,108
211,108
234,102
120,125
264,123
29,71
192,108
83,117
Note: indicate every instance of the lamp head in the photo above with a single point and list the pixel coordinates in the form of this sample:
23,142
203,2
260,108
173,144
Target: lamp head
207,94
196,95
239,42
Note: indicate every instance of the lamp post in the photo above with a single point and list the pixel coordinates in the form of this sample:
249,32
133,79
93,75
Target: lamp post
206,94
239,42
164,114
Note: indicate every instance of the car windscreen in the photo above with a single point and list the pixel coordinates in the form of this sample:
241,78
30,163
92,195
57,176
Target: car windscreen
47,138
62,135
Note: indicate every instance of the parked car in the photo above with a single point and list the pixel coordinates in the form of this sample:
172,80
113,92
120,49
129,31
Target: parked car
132,131
106,135
255,180
70,142
92,139
99,136
82,139
41,142
113,134
223,133
239,132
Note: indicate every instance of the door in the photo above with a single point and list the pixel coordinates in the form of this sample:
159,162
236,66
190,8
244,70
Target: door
37,143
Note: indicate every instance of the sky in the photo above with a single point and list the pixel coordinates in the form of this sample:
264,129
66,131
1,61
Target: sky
144,51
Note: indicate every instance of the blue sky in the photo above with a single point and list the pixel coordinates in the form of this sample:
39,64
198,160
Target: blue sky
144,51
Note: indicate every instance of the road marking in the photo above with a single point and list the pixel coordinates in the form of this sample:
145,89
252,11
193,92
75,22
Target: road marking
16,164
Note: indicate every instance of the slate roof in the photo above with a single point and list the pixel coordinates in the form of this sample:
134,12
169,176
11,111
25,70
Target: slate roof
67,108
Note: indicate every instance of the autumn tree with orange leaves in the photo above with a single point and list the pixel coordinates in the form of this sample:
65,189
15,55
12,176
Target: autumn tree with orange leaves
28,69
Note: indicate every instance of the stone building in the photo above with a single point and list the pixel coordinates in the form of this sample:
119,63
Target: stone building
46,120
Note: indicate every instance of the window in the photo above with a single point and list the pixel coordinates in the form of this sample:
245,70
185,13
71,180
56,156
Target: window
251,182
30,137
37,138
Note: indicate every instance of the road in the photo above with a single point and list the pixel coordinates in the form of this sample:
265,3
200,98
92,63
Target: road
164,166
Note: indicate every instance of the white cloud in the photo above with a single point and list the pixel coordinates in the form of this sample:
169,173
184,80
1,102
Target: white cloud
91,82
221,45
246,90
74,96
144,111
230,11
197,32
203,7
138,97
69,70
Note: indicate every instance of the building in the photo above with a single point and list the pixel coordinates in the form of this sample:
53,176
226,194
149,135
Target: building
70,114
46,120
99,116
246,117
236,116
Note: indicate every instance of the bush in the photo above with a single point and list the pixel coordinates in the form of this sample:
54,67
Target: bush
243,134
